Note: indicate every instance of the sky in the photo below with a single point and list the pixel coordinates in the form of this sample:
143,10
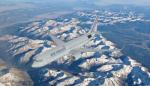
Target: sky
131,2
96,2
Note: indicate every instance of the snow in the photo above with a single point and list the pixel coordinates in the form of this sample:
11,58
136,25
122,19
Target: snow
113,81
13,76
1,84
92,68
105,68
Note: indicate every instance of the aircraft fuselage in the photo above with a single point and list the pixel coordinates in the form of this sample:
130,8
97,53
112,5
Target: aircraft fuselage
60,51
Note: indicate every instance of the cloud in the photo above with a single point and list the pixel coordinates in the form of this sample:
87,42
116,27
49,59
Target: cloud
132,2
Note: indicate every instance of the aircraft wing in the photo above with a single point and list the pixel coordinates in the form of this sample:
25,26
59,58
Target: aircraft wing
77,52
57,41
94,50
89,50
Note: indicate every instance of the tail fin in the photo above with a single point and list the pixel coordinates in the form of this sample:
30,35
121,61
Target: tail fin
94,26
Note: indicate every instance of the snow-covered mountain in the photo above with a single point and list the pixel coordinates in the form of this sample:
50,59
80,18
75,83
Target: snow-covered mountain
13,77
92,69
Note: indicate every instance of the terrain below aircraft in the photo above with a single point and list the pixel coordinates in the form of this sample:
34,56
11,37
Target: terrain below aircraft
72,48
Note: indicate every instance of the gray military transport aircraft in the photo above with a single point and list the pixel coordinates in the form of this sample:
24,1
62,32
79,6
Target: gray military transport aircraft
72,48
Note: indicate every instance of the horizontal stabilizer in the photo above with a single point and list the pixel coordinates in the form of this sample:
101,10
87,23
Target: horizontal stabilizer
57,41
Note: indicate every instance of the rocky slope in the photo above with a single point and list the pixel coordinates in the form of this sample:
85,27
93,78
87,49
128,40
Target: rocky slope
13,76
111,68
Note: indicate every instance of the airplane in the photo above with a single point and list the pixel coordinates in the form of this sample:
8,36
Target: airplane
72,47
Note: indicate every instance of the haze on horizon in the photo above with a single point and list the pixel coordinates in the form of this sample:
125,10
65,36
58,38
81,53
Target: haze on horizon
96,2
31,9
